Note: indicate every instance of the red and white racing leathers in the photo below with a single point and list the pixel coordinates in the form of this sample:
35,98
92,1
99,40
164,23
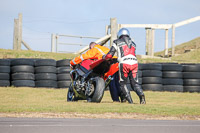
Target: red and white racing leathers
128,65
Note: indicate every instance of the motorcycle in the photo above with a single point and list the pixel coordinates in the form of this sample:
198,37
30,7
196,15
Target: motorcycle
89,84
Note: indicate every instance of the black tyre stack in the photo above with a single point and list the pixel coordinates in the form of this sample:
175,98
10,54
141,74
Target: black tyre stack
172,77
152,77
45,73
139,73
22,73
63,73
191,78
4,72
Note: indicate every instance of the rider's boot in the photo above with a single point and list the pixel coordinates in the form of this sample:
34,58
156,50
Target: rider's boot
139,92
129,99
122,97
142,100
126,92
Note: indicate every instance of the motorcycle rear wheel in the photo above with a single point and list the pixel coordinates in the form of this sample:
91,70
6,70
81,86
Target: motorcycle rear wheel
99,85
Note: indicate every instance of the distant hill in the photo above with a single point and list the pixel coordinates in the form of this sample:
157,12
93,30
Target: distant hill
183,48
188,52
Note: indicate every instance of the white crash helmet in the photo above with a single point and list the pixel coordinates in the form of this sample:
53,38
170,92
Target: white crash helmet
123,31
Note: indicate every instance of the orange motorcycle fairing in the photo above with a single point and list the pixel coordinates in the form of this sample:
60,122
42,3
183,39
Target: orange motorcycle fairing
113,69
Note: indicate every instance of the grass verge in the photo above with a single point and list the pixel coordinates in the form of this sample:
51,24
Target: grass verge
6,53
41,100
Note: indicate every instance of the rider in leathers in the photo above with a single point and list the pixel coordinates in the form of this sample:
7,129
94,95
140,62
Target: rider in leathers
128,65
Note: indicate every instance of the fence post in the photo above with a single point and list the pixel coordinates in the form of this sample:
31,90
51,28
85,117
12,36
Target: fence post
15,36
148,41
113,30
17,39
173,40
26,45
166,43
52,42
152,42
19,42
56,43
147,45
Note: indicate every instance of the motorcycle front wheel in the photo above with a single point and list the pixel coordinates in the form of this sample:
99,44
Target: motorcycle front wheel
70,94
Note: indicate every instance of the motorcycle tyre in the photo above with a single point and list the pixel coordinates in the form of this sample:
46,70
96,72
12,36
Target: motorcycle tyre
71,98
99,90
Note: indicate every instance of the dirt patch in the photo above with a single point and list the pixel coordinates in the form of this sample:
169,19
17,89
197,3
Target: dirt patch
99,116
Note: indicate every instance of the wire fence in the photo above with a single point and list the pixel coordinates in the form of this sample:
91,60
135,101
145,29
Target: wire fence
61,42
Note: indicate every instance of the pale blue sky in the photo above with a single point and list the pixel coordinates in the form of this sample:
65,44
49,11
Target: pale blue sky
41,18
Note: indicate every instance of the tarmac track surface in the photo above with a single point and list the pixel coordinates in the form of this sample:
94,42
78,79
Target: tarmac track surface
60,125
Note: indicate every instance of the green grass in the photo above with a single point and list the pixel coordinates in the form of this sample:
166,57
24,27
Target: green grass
5,53
19,100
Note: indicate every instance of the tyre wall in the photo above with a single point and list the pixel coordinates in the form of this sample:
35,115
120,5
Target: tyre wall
50,73
63,73
152,77
45,73
4,72
22,73
191,77
172,77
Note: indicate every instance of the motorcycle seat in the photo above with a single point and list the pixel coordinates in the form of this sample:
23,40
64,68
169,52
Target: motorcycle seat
83,69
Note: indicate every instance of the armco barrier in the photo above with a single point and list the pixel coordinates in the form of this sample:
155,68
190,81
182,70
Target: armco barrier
55,74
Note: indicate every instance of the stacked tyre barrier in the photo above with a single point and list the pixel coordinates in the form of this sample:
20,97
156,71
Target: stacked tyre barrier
45,73
152,77
191,78
139,74
172,77
22,73
49,73
4,72
63,73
